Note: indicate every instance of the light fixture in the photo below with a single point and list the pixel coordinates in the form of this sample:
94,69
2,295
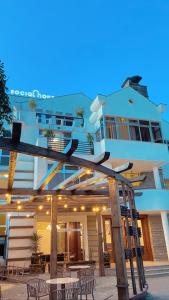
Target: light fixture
6,175
40,207
88,172
75,209
18,202
6,195
60,198
104,208
48,198
82,207
47,212
27,215
65,206
19,207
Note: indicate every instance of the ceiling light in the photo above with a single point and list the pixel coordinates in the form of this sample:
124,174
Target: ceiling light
75,209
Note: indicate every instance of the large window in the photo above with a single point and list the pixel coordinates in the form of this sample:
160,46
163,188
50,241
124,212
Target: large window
129,129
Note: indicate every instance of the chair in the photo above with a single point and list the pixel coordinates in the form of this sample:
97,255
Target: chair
66,294
86,287
37,288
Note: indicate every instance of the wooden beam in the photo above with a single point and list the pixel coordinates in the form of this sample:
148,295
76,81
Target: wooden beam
71,147
31,192
123,168
137,179
28,149
102,158
87,182
121,272
53,256
100,245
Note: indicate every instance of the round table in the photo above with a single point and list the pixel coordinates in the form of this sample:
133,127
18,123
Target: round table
62,281
78,267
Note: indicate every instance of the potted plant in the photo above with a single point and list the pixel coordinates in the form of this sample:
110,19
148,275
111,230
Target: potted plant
32,105
90,140
49,133
35,247
80,114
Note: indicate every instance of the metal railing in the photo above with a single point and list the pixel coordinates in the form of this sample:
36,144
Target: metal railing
59,144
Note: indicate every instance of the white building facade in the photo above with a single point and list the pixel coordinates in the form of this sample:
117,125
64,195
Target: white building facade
129,126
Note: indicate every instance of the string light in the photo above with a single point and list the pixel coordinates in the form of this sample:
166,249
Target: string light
88,172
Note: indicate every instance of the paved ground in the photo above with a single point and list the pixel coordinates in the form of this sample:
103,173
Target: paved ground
105,287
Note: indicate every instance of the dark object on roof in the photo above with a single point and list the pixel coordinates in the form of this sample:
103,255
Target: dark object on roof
133,82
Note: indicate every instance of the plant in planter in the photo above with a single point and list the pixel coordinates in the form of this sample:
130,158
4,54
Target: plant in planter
80,113
49,133
90,140
32,105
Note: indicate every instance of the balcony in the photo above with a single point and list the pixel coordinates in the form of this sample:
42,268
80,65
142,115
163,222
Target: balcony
59,144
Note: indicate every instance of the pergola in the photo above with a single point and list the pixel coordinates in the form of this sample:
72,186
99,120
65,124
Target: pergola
118,195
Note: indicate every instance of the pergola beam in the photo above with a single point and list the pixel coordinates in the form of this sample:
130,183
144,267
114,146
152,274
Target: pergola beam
87,182
123,168
70,148
28,149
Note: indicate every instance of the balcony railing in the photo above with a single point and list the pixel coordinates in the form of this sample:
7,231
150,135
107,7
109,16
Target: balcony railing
59,144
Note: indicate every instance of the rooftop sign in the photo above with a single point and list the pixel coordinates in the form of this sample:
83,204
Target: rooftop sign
33,94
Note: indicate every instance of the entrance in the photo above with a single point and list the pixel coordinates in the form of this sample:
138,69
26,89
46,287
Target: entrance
144,240
69,240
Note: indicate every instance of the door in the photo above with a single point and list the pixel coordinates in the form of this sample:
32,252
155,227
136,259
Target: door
144,240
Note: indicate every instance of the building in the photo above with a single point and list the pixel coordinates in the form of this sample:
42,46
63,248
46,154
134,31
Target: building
128,125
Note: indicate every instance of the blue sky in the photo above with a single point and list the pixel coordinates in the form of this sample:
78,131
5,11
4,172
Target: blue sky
66,46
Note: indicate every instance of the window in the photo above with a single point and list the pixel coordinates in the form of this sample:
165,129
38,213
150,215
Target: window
110,128
134,133
48,118
39,117
156,132
68,121
98,137
145,134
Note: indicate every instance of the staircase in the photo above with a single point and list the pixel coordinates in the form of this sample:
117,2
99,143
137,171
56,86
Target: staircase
150,271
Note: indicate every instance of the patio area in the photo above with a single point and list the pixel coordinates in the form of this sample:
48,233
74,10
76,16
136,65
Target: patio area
105,289
118,196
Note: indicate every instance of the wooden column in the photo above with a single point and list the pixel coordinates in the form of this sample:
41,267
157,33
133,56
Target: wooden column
53,254
100,244
121,273
53,247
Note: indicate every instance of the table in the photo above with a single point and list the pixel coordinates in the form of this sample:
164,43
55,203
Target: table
62,281
78,267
